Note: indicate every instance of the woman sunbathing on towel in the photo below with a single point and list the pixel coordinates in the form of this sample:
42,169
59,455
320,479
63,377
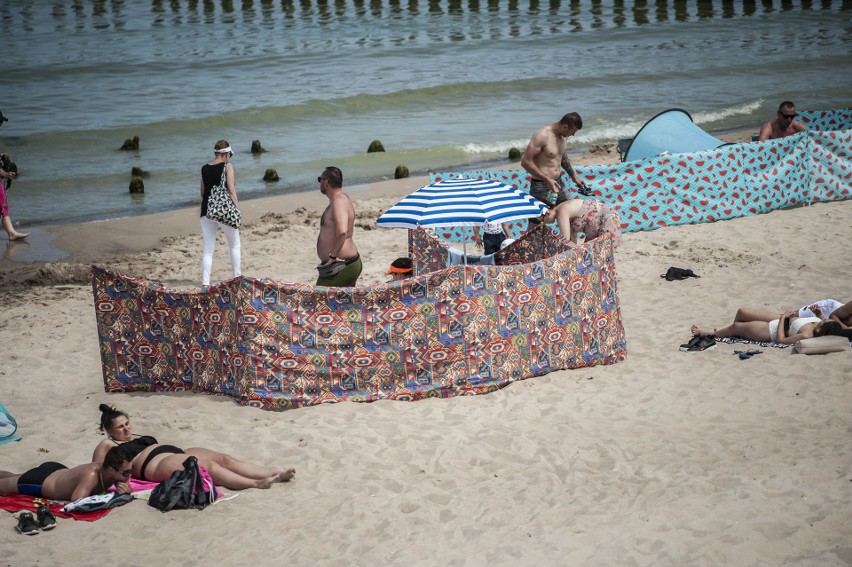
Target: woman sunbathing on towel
154,462
786,328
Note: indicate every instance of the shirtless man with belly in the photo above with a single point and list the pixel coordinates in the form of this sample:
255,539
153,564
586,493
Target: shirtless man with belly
340,264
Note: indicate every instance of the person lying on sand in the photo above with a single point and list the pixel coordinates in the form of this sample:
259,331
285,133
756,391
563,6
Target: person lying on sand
829,309
154,462
55,481
786,328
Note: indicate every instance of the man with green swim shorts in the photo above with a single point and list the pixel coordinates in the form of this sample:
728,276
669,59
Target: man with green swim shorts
340,265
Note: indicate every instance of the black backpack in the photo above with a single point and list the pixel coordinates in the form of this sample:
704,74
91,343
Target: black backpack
183,490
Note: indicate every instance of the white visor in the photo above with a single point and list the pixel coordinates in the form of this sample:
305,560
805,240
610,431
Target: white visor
227,150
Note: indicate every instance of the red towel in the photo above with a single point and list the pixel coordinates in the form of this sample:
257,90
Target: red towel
18,502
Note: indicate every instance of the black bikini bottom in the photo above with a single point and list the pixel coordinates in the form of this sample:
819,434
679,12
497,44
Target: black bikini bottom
30,482
159,449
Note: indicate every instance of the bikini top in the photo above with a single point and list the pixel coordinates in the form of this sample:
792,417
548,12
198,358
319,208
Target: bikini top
136,446
801,322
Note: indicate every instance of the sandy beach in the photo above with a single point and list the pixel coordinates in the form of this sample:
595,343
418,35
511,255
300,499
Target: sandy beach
667,458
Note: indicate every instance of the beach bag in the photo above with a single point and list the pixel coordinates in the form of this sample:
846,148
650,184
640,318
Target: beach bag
183,490
220,206
330,270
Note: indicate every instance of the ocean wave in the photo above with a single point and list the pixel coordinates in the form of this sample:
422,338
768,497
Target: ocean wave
745,109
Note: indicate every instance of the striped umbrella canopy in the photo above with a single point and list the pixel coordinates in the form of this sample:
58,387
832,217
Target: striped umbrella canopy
461,201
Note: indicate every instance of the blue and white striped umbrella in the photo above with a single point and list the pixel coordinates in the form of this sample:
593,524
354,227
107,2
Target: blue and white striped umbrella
461,202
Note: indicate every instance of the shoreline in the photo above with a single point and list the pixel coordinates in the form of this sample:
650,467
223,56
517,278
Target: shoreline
358,184
104,241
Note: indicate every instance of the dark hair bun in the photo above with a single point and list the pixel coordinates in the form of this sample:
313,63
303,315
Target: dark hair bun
105,408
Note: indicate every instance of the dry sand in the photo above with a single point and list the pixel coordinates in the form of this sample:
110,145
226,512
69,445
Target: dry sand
667,458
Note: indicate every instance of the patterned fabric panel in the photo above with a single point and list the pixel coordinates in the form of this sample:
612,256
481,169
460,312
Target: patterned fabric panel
543,242
458,331
728,182
157,339
840,119
429,253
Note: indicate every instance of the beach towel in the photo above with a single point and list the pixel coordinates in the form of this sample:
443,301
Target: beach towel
18,502
736,340
97,502
8,426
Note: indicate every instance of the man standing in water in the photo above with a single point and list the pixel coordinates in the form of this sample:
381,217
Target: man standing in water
340,264
785,124
544,159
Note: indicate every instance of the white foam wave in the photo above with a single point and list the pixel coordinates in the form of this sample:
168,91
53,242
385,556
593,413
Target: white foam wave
744,109
494,147
605,132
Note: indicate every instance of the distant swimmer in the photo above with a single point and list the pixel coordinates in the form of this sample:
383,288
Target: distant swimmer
785,124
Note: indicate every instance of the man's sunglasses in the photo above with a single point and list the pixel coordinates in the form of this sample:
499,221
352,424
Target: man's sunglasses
788,116
319,179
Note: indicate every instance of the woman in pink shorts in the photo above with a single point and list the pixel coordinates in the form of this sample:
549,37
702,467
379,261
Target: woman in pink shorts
5,177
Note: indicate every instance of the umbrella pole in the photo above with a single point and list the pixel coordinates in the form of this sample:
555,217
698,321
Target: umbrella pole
464,249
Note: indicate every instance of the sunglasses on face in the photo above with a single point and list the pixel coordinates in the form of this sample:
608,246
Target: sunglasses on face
319,179
788,116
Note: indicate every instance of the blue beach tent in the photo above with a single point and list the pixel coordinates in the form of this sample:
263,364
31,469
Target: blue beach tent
8,426
673,132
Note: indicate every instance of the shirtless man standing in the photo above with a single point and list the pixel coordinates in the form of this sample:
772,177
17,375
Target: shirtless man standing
55,481
544,159
340,264
784,125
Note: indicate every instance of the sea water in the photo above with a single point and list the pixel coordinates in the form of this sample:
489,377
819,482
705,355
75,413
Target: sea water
442,84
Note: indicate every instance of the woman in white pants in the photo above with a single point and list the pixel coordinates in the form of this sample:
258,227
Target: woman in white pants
211,175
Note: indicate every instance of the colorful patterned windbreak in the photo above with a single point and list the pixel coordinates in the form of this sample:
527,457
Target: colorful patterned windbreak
457,331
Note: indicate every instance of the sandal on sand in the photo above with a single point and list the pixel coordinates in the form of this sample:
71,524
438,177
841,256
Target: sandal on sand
747,354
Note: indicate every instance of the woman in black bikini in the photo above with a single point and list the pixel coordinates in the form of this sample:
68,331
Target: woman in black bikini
155,462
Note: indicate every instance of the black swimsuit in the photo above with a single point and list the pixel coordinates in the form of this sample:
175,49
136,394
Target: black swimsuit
30,482
136,446
154,452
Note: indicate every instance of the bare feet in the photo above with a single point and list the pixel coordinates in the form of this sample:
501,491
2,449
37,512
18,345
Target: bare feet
267,482
18,236
286,476
280,476
698,331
